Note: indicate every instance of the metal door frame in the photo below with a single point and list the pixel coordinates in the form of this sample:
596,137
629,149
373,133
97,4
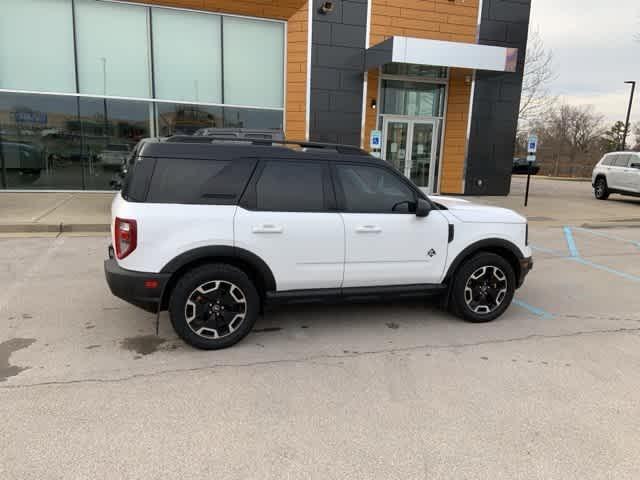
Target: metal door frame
411,121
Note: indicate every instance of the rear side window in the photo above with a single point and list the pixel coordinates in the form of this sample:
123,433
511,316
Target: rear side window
195,181
622,160
136,183
286,186
608,160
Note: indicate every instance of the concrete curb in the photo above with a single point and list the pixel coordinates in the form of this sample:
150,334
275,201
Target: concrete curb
54,228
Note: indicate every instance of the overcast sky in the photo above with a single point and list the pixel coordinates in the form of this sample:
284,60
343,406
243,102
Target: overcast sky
594,51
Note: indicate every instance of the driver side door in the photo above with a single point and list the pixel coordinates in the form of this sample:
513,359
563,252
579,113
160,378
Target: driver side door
385,242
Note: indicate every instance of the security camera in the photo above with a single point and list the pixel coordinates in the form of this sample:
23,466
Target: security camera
326,7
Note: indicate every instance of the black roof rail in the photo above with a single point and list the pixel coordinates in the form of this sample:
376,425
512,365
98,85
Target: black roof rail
347,149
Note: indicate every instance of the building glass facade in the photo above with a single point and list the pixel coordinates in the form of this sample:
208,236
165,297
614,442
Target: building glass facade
113,73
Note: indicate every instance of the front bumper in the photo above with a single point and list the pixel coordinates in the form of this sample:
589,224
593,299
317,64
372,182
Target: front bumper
141,289
526,265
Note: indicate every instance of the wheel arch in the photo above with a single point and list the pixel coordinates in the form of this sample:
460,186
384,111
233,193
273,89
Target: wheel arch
250,263
504,248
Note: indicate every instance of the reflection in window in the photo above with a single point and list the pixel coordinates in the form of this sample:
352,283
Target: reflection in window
186,119
187,61
36,46
414,70
253,62
412,98
47,143
113,56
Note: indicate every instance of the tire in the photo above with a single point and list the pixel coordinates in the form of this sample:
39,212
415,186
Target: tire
497,273
600,189
214,306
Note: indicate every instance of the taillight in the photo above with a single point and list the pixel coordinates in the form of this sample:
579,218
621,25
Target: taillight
126,232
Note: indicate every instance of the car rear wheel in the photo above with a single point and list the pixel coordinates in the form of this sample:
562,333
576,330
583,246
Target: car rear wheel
600,190
483,288
214,306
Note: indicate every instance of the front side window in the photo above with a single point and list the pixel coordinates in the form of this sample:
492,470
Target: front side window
374,190
291,187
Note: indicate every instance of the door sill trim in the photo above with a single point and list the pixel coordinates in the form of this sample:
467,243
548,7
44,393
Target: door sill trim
333,295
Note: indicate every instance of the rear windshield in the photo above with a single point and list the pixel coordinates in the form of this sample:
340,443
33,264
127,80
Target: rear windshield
188,181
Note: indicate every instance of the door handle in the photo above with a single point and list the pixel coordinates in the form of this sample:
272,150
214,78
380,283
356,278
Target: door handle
267,228
369,229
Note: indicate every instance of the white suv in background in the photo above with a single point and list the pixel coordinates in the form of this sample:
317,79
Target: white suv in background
214,230
617,172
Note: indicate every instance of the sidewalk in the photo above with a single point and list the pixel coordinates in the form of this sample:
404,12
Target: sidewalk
553,202
37,212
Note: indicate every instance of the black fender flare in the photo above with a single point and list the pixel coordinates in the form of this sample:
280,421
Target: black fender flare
222,252
486,244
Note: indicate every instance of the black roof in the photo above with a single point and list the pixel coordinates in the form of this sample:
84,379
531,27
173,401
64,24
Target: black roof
195,148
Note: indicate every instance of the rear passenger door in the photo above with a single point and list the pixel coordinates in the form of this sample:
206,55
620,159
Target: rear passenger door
617,176
287,217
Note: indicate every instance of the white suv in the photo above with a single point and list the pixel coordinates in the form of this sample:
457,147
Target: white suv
617,172
214,231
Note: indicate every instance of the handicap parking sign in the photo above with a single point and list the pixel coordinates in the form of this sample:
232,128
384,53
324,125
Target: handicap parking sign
376,137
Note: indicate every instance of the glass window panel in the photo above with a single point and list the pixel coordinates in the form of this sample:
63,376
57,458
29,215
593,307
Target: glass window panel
253,62
36,45
374,190
412,98
186,119
110,130
413,70
187,60
113,54
291,187
39,142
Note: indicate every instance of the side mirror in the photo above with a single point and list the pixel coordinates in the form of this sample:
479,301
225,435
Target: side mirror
422,208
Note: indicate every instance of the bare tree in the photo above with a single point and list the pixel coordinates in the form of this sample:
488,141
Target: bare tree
571,134
636,132
538,74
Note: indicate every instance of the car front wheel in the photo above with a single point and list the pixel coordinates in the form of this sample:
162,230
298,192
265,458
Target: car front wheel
483,288
214,306
600,189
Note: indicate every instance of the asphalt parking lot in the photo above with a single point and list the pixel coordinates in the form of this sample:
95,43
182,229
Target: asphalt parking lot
550,390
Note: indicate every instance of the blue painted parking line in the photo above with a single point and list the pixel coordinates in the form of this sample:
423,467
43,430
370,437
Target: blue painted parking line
604,268
575,256
571,243
609,236
535,310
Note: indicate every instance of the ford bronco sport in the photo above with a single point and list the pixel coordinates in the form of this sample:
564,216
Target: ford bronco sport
215,229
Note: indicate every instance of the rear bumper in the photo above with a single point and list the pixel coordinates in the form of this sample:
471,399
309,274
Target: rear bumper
526,265
141,289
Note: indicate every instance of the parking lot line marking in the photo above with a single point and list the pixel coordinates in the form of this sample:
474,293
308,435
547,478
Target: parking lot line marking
606,235
571,243
535,310
604,268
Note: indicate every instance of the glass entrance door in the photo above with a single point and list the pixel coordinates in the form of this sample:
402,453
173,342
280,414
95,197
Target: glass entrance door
409,145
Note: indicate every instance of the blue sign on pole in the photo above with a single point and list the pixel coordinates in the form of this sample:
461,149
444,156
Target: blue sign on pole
532,144
376,140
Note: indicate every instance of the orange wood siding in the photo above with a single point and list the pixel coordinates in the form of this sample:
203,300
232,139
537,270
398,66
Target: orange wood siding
437,20
455,132
295,12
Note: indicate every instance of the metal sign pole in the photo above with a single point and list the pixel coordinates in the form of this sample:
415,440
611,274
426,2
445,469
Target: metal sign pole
532,148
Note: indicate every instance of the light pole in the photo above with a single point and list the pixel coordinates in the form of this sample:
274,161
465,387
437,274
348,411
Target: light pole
626,124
